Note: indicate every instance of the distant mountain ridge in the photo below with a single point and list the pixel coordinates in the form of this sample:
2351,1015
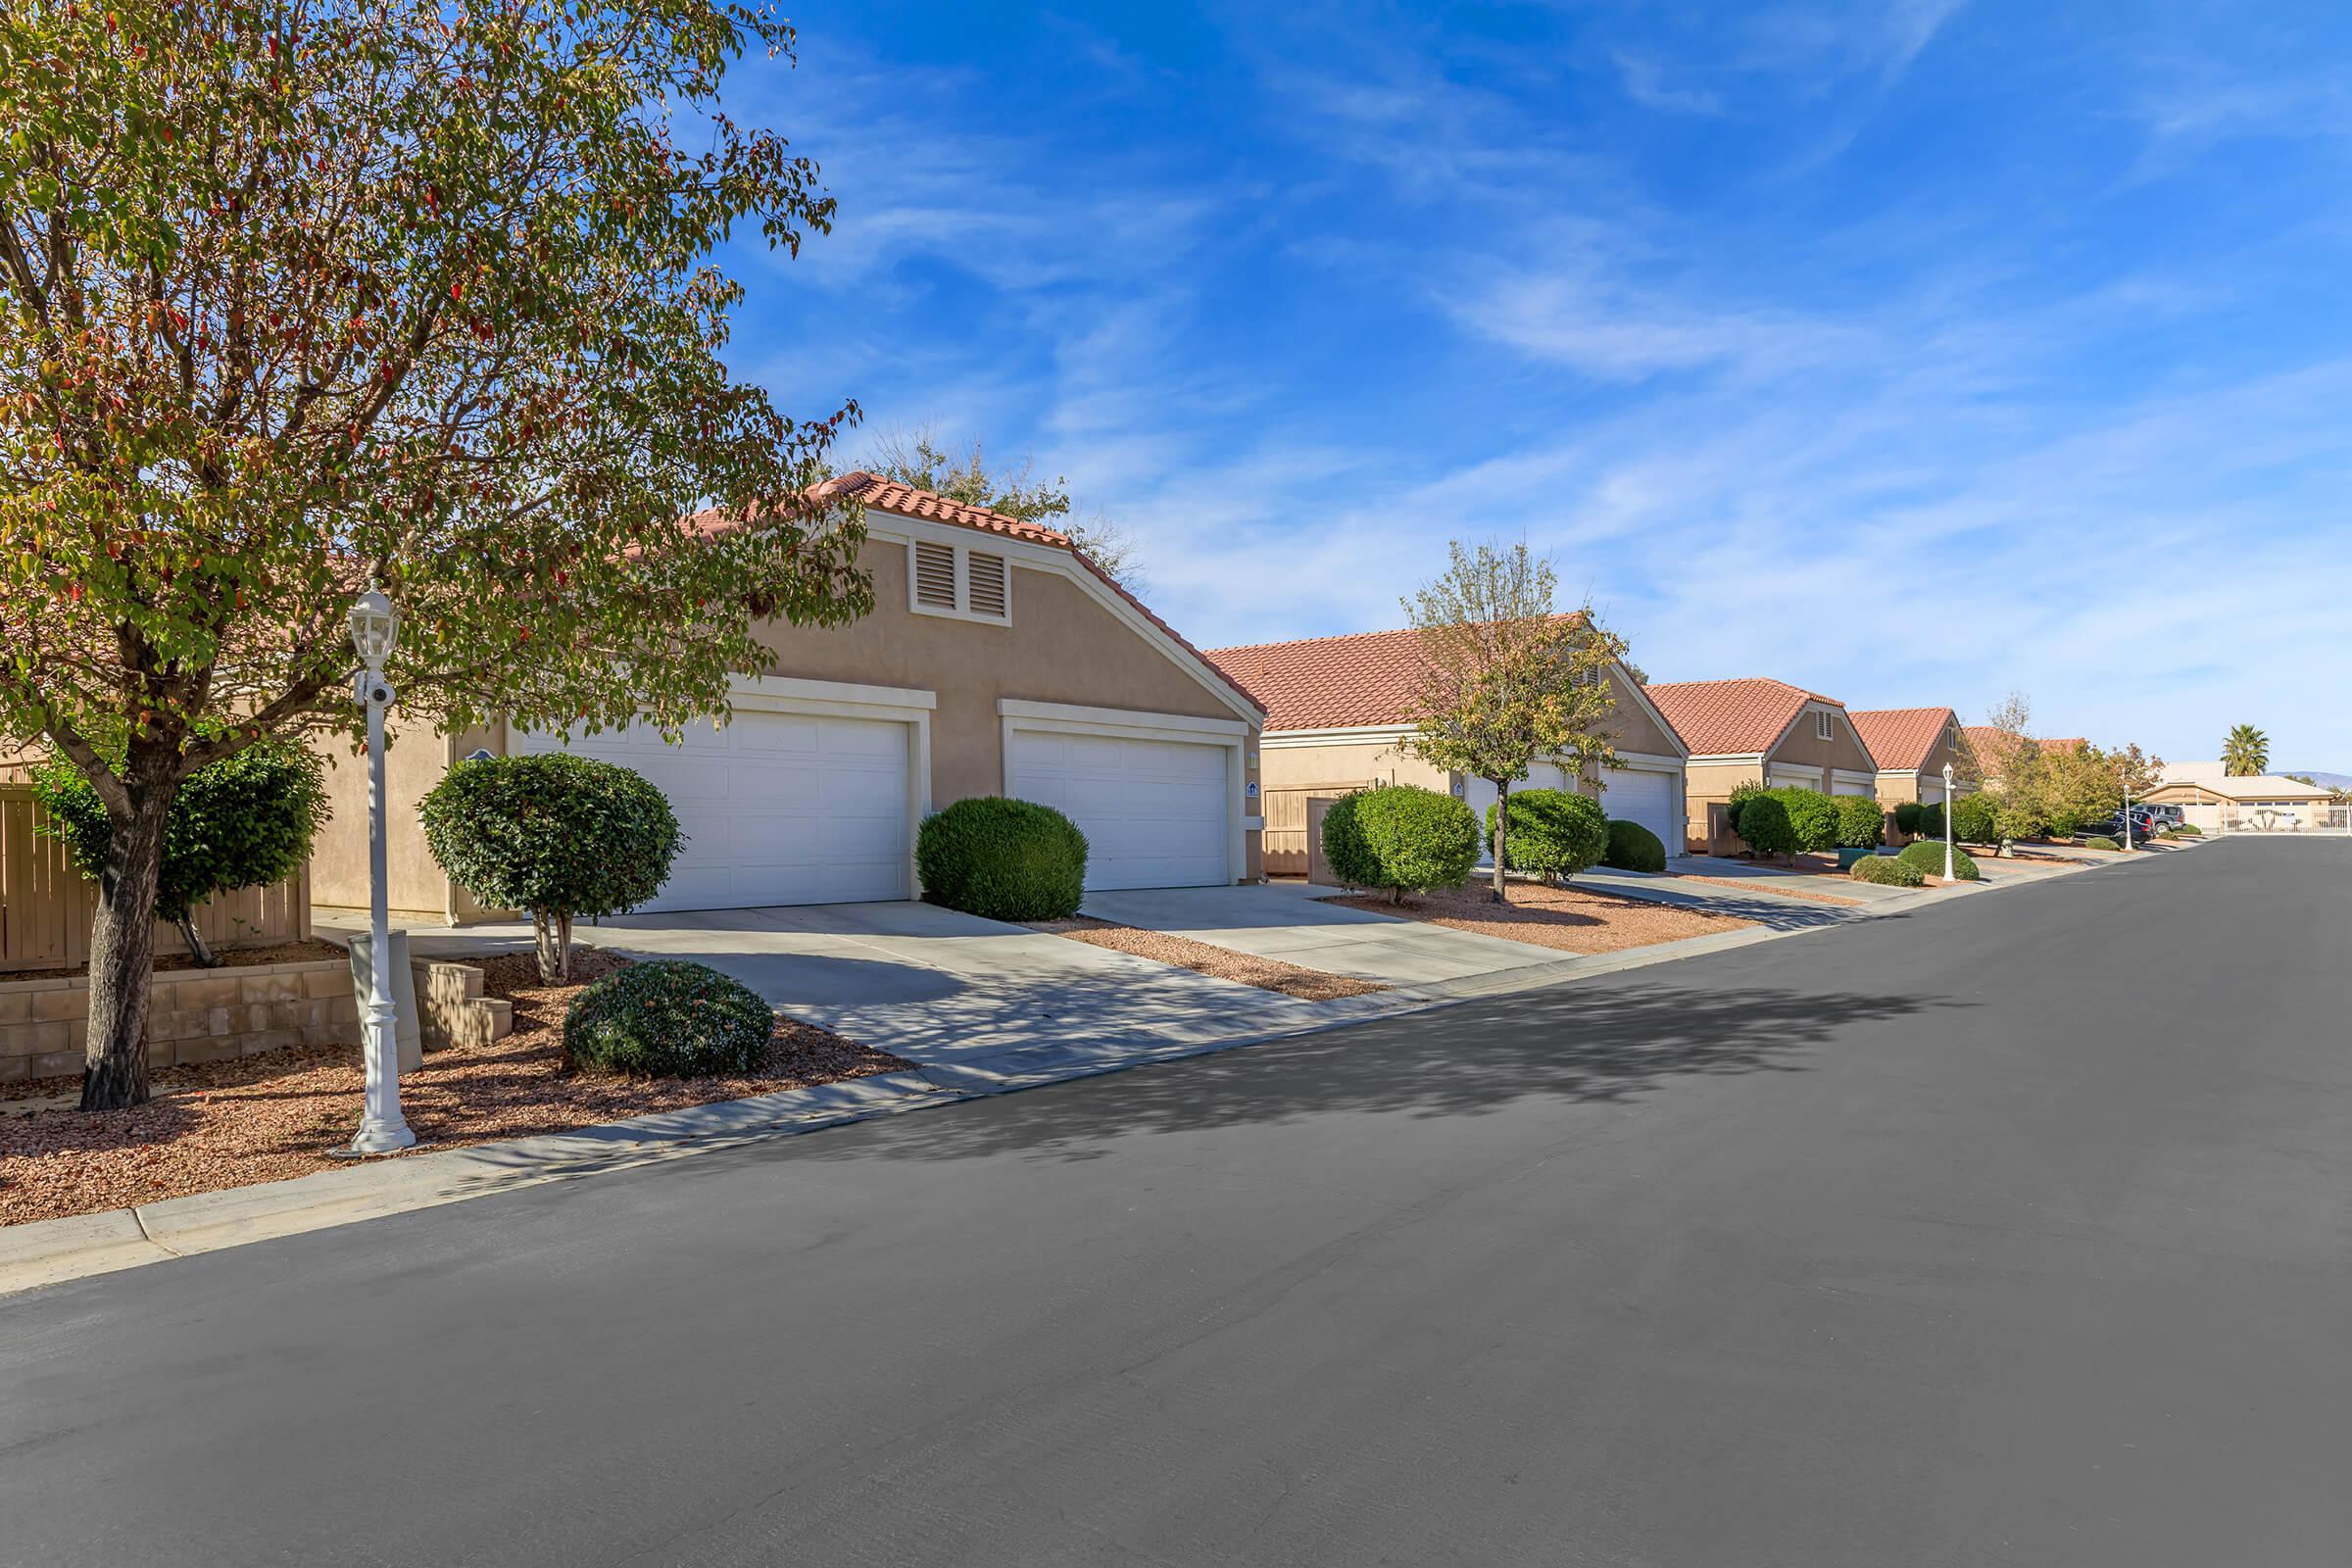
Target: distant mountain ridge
2335,781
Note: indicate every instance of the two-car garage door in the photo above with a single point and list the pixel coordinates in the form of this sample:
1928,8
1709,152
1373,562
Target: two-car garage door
1153,812
776,807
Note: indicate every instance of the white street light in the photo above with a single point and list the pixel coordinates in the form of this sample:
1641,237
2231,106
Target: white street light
1947,823
2126,812
374,631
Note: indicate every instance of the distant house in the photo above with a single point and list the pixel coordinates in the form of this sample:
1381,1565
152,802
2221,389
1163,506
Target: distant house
2216,802
1993,748
1762,730
1339,710
1912,746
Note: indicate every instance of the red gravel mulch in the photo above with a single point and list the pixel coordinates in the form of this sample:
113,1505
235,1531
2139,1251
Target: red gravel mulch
268,1117
1203,958
1573,920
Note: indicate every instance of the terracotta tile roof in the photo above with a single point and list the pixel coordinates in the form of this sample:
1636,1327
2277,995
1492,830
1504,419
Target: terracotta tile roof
1731,717
905,501
1900,738
1993,746
1328,682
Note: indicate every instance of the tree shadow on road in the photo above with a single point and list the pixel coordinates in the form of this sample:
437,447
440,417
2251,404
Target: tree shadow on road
1573,1045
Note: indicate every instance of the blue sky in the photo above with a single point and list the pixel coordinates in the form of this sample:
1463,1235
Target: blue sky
1911,351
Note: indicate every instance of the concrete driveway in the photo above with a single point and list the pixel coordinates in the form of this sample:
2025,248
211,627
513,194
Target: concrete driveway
1289,922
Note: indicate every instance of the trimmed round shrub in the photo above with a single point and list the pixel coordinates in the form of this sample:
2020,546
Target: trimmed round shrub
668,1019
244,822
2102,842
1742,793
1861,821
1003,860
1906,817
1927,855
1889,870
1765,826
1812,818
2188,830
555,834
1930,819
1400,837
1633,848
1552,834
1977,819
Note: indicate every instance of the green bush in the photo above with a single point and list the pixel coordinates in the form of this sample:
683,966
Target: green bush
2102,842
2063,823
1927,855
1633,848
1930,819
1401,838
668,1019
1003,860
1554,833
1889,870
1742,793
244,822
1976,818
1765,826
1812,818
2182,830
1861,821
558,835
1906,819
2019,821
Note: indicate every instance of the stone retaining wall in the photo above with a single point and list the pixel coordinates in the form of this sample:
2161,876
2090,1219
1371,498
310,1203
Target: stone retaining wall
214,1014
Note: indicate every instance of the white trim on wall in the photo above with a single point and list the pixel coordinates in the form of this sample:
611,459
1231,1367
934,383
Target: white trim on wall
1337,735
1016,714
1647,762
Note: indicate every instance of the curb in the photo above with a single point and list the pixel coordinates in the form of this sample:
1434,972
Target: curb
56,1251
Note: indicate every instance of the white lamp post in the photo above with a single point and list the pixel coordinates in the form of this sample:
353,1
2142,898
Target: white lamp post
1947,822
375,630
2127,814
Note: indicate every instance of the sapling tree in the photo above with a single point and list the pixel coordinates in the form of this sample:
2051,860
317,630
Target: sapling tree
300,294
1505,680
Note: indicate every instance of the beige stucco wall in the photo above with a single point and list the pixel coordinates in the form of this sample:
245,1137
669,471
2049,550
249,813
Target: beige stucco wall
1630,729
1342,762
1061,647
414,886
1843,748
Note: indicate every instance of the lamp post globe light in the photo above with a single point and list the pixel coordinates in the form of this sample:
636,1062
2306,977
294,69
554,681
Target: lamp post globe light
1947,822
374,633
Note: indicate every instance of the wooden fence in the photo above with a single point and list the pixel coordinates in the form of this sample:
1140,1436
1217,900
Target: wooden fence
45,906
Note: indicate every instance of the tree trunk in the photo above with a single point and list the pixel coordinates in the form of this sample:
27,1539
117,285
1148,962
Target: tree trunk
1503,812
114,1074
195,941
551,945
564,945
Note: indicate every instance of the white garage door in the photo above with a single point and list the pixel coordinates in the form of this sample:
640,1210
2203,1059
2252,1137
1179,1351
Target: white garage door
776,807
1647,799
1784,773
1152,812
1929,793
1850,787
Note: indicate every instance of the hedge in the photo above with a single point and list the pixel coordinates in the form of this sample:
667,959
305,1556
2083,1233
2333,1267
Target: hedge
1001,859
1812,818
1906,817
1633,848
1765,826
1401,838
668,1018
1930,819
1554,833
1861,821
1927,855
1889,870
2064,824
1977,819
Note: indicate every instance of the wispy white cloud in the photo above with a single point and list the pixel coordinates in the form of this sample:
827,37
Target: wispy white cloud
1644,82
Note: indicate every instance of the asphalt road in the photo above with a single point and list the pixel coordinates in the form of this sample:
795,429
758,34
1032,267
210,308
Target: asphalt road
2011,1231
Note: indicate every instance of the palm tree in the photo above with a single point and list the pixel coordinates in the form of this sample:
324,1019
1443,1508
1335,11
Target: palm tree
2246,753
